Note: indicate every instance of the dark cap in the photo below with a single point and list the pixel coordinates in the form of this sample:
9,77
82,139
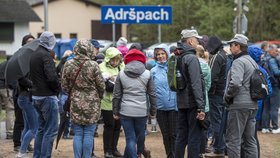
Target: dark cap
96,44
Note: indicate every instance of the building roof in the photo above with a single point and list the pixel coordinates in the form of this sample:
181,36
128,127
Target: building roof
17,11
35,3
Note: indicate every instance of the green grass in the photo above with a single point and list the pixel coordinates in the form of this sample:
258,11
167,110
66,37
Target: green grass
2,60
2,115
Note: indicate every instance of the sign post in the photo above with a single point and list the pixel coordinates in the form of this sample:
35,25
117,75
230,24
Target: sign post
136,15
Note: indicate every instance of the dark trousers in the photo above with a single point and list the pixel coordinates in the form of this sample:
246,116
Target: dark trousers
216,113
189,133
167,121
111,131
18,125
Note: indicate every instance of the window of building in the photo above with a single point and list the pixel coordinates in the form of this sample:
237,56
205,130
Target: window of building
6,32
73,35
57,35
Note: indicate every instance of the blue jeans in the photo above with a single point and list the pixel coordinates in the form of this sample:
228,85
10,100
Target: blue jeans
30,121
83,140
134,128
47,109
189,133
216,114
270,109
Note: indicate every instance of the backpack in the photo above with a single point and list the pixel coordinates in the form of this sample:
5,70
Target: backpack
258,85
175,78
265,64
171,72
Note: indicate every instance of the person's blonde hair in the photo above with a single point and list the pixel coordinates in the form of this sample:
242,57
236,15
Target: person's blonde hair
67,53
201,53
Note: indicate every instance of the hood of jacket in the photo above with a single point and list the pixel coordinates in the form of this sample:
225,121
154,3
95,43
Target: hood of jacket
214,44
47,40
164,47
111,53
255,53
83,49
134,69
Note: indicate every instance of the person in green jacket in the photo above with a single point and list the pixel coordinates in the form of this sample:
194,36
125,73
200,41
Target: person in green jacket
110,68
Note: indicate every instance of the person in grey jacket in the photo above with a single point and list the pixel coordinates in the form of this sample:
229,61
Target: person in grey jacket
130,104
242,109
190,99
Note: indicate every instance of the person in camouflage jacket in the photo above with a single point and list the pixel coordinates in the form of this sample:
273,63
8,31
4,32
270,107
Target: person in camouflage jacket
86,95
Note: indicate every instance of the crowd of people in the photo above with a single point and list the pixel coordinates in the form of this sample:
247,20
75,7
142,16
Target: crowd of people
126,87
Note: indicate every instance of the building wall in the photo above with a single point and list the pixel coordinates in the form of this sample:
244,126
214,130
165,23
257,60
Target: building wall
68,16
20,30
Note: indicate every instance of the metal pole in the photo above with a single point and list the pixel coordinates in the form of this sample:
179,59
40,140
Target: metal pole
239,9
159,33
46,27
114,32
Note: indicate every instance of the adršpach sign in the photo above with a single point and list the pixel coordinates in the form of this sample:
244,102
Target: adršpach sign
136,14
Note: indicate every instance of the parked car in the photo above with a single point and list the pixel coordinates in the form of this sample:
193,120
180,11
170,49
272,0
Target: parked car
106,44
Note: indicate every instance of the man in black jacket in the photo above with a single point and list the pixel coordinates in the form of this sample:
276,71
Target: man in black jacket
218,71
44,94
190,99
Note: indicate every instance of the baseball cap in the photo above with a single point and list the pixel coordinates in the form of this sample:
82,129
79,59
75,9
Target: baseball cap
189,33
239,38
96,44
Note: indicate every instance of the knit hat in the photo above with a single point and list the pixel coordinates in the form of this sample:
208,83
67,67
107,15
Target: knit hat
122,41
134,54
47,40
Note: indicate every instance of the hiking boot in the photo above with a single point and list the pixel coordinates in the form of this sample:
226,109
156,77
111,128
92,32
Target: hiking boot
93,155
116,153
96,134
9,136
147,153
16,148
215,155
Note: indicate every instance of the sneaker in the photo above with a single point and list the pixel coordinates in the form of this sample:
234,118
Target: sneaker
68,137
30,148
108,155
20,155
154,129
265,130
276,131
116,153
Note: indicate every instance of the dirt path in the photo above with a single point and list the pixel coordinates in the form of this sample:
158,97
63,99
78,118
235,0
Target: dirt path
270,146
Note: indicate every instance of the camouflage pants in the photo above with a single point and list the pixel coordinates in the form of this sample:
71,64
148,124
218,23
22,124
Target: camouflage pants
7,102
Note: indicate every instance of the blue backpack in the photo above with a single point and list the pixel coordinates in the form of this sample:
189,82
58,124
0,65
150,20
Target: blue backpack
265,64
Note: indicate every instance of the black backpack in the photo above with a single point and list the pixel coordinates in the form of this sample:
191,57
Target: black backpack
258,84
